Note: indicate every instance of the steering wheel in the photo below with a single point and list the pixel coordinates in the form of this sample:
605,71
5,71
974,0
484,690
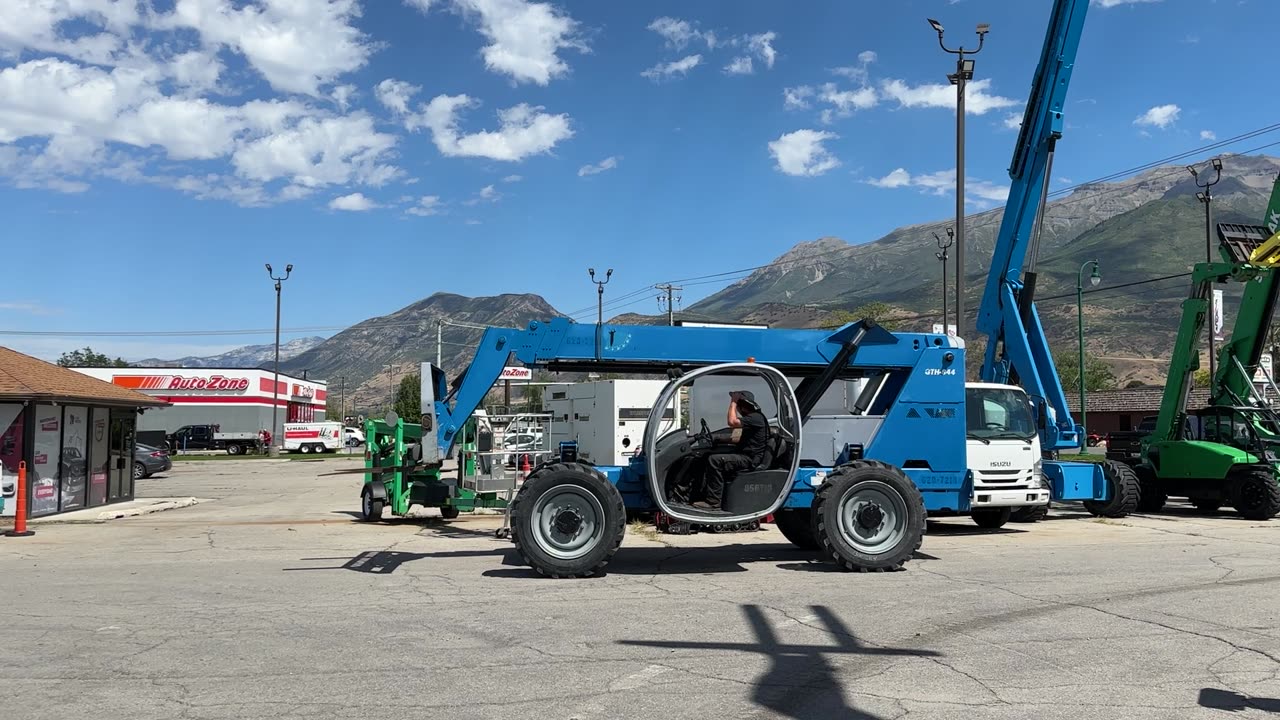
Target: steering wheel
995,426
705,434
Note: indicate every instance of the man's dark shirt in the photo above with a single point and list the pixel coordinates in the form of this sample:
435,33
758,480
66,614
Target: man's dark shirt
755,435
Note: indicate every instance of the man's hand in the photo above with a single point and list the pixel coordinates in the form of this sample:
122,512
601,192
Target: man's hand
733,420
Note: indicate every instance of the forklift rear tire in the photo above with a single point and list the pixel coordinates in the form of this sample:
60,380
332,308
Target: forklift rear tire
871,517
1254,493
797,526
448,512
370,507
1122,486
567,520
1151,496
993,518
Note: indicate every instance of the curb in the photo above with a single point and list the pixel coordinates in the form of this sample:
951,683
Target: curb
121,513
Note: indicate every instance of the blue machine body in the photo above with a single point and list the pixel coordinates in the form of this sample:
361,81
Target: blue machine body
921,398
1017,348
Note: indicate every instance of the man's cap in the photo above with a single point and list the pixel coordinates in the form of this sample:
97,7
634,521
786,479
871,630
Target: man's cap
745,396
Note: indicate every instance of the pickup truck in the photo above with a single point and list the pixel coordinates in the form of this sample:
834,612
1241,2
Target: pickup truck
1126,445
209,437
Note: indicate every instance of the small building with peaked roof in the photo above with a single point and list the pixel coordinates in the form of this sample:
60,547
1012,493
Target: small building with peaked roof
74,433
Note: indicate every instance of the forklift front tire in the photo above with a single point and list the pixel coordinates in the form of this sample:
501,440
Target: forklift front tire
448,512
370,506
870,517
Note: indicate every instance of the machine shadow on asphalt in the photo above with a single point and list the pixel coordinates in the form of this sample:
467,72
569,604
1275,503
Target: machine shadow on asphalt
801,681
1233,701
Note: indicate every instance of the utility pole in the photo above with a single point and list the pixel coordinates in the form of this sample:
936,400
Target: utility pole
439,340
942,255
275,385
669,289
342,400
391,389
599,304
1206,199
963,73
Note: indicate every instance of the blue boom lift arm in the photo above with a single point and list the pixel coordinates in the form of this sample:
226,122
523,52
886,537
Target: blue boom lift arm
1017,349
562,345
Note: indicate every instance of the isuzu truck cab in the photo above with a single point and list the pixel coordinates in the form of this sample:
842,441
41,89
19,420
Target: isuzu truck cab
1003,450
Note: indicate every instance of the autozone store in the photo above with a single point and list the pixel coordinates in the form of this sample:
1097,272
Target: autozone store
237,400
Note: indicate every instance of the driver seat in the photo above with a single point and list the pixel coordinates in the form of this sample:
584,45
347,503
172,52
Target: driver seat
751,491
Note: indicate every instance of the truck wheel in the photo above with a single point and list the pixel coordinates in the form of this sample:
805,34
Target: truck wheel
1030,514
305,449
448,512
1122,486
871,517
1151,496
139,471
798,527
993,518
370,507
235,449
1254,493
567,520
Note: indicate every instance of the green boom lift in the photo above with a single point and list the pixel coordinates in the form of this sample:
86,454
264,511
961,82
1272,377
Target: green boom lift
1226,453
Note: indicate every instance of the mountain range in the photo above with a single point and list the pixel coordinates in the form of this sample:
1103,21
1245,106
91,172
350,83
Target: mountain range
1146,232
241,357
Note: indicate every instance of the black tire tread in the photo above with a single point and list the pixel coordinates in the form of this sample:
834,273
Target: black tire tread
824,496
523,496
991,519
797,526
1268,480
1035,513
1151,496
1125,500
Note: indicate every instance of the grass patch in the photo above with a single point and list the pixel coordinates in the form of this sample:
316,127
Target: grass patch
1083,458
645,530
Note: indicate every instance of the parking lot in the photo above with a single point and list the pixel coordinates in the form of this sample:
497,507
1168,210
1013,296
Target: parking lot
269,599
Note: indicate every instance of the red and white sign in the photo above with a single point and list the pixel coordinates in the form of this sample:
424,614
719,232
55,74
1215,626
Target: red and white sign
303,391
516,373
211,383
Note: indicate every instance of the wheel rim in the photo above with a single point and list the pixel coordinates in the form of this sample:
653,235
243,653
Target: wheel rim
1253,495
568,521
873,517
137,472
366,505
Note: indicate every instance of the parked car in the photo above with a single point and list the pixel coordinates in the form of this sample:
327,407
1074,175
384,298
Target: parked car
148,461
354,436
1126,445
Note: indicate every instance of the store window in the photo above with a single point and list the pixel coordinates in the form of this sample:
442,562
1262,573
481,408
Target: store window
99,458
11,437
47,457
75,466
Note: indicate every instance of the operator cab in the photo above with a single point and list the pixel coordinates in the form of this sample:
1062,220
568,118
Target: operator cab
677,459
1253,430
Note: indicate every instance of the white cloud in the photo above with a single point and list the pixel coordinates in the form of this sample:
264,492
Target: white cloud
342,95
676,67
196,70
317,152
762,46
860,72
296,46
525,38
512,179
1012,121
978,101
980,193
1208,135
608,163
802,153
1117,3
488,193
29,308
740,66
37,24
679,33
355,202
843,102
523,130
395,95
797,98
1161,116
426,205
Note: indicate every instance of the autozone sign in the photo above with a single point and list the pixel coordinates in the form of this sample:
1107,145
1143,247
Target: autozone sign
516,373
304,391
211,383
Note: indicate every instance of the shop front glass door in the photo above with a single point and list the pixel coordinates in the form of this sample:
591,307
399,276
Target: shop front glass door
120,484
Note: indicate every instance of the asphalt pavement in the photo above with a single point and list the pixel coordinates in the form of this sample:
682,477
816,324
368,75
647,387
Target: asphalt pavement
269,599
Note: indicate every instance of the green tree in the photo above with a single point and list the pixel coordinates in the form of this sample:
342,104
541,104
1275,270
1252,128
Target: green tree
1201,378
534,394
408,403
876,311
1097,373
87,357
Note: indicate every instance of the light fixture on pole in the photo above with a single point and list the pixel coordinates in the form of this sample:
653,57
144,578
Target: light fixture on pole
1094,278
275,385
963,74
1206,199
942,255
599,305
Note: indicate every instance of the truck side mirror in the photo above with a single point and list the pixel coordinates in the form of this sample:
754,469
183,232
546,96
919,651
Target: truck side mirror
1042,414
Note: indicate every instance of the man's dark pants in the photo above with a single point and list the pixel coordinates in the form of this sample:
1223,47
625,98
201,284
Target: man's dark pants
719,466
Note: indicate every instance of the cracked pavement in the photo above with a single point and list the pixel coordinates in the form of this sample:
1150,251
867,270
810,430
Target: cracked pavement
272,601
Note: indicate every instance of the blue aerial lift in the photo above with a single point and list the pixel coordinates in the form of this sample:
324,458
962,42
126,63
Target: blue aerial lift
856,485
1017,350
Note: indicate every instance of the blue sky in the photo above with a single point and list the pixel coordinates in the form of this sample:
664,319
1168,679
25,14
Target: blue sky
154,155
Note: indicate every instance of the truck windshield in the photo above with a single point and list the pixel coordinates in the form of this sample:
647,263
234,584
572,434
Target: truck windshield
998,413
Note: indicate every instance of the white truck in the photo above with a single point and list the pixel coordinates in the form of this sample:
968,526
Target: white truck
1003,453
314,437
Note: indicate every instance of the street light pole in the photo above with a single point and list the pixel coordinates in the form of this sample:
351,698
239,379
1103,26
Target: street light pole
275,385
1206,199
599,304
942,255
963,73
1094,279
